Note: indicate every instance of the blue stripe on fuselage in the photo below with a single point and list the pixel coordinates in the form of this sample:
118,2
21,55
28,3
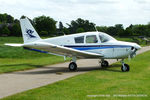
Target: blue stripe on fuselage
92,47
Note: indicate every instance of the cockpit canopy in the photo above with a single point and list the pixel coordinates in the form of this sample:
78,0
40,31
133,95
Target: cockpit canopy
97,37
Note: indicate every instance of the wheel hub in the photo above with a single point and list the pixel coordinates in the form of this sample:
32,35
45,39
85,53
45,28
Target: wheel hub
71,66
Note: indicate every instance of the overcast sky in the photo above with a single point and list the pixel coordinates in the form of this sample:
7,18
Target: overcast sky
101,12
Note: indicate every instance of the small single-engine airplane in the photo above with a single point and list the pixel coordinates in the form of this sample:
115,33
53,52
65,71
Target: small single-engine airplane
82,45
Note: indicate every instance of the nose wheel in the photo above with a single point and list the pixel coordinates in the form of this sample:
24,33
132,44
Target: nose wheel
125,67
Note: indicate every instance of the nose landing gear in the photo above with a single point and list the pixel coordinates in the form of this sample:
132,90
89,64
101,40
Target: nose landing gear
125,67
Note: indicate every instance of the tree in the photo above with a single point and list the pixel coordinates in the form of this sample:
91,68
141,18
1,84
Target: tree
148,30
139,30
102,29
119,30
15,30
9,19
111,30
79,30
2,18
81,23
43,23
5,31
116,30
44,33
65,30
5,18
128,31
16,21
23,16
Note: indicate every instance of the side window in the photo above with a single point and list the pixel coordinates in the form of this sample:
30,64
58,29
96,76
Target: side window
91,39
103,38
79,39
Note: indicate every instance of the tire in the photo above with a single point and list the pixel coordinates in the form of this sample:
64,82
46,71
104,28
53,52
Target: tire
127,68
72,66
104,64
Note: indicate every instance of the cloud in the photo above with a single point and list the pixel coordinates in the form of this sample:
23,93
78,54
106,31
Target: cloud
142,1
101,12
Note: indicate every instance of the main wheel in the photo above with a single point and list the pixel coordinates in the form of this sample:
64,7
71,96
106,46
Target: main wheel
104,63
126,68
72,66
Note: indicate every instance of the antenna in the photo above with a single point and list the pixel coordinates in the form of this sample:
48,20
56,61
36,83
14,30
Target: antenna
95,28
64,33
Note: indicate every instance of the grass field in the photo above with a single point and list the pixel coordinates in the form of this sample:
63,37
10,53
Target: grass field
110,82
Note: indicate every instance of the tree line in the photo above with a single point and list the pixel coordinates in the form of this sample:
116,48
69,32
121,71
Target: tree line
46,26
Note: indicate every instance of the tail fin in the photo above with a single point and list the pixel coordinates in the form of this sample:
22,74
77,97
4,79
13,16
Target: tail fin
28,32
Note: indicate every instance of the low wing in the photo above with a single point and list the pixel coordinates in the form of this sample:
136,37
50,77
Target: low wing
60,50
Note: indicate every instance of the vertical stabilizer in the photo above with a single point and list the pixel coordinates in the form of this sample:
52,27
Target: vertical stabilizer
28,32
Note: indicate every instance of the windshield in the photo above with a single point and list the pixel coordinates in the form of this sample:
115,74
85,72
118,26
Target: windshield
105,38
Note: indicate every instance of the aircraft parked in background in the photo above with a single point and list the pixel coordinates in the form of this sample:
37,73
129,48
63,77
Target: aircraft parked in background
82,45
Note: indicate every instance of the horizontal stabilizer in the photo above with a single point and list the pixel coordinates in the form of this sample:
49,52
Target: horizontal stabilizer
13,45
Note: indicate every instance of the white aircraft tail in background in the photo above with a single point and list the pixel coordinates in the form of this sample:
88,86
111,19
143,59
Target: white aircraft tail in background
82,45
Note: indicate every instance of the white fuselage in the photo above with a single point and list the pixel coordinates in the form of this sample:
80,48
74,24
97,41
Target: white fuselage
106,45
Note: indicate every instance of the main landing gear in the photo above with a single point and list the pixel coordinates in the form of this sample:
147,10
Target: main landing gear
73,65
104,63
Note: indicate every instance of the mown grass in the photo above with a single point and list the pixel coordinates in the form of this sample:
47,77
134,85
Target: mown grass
110,81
